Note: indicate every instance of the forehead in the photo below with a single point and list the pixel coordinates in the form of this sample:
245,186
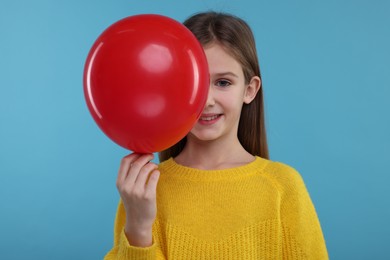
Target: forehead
221,61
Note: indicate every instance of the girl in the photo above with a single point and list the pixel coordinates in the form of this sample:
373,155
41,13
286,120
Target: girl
218,195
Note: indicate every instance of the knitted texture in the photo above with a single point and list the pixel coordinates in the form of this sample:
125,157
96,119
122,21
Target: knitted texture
261,210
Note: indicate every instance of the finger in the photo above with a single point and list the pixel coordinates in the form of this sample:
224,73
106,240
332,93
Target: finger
151,186
144,174
135,168
125,166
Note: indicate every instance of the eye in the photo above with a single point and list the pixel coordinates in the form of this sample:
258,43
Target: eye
222,83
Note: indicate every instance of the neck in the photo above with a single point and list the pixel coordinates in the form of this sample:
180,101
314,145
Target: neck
212,155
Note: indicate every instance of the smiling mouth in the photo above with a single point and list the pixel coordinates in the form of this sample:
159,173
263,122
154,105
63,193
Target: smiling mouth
209,118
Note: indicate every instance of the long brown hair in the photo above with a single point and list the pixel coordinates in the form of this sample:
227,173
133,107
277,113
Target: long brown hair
236,36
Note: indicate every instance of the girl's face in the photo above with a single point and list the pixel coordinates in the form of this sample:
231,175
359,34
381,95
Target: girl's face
227,93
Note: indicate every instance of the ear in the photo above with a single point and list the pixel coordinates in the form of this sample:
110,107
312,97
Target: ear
251,89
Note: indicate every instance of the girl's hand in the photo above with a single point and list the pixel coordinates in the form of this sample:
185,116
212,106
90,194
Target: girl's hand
138,195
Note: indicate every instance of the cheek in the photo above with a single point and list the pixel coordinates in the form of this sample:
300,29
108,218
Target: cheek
234,100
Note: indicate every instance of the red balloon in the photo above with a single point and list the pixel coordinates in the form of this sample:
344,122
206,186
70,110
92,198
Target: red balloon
146,81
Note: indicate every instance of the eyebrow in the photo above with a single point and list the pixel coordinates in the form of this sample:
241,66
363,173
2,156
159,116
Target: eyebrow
222,74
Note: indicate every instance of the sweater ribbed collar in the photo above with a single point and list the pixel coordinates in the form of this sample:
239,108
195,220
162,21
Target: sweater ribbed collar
172,169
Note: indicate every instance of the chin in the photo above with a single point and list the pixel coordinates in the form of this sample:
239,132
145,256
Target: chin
204,137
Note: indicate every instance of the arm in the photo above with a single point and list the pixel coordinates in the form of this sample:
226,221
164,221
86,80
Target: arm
137,209
301,230
122,249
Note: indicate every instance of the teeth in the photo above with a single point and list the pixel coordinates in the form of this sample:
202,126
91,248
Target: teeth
208,118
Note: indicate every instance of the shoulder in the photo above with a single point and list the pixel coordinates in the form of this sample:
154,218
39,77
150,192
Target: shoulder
292,190
286,178
282,172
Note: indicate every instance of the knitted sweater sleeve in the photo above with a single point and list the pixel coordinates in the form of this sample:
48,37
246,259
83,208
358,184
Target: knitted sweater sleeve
122,249
301,230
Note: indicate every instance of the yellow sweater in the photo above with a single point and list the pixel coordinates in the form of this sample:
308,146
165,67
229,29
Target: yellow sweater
261,210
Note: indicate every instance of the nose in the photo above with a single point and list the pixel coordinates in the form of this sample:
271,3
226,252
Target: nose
210,98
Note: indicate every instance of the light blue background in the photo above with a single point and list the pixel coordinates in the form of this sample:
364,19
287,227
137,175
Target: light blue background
326,75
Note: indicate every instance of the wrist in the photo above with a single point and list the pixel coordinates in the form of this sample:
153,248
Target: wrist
139,237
